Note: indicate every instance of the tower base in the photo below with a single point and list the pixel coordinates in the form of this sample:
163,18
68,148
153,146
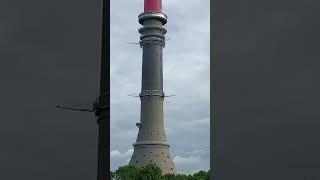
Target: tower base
153,153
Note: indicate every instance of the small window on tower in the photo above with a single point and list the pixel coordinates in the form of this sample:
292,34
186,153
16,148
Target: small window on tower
164,162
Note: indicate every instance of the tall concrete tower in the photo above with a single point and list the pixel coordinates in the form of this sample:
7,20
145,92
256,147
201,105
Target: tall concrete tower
151,145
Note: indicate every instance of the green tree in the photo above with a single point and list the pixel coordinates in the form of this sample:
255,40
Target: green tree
150,172
112,174
169,177
127,173
183,177
201,175
153,172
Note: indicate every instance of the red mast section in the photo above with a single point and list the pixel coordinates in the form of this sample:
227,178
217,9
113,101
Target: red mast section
152,5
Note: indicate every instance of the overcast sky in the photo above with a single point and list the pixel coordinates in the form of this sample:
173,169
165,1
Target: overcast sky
186,75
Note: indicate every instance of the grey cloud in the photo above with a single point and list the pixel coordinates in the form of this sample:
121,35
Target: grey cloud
120,159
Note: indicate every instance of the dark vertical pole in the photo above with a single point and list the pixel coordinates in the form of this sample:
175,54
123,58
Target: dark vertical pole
102,108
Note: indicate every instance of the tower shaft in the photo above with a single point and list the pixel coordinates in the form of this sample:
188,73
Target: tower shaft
151,145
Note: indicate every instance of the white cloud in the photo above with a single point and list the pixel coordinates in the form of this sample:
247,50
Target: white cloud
120,159
199,123
178,160
117,154
190,164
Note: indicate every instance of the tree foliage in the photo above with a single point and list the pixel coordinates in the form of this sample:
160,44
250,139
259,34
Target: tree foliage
150,171
127,173
201,175
153,172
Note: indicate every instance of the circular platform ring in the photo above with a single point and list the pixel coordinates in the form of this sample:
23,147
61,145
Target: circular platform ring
148,15
151,143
